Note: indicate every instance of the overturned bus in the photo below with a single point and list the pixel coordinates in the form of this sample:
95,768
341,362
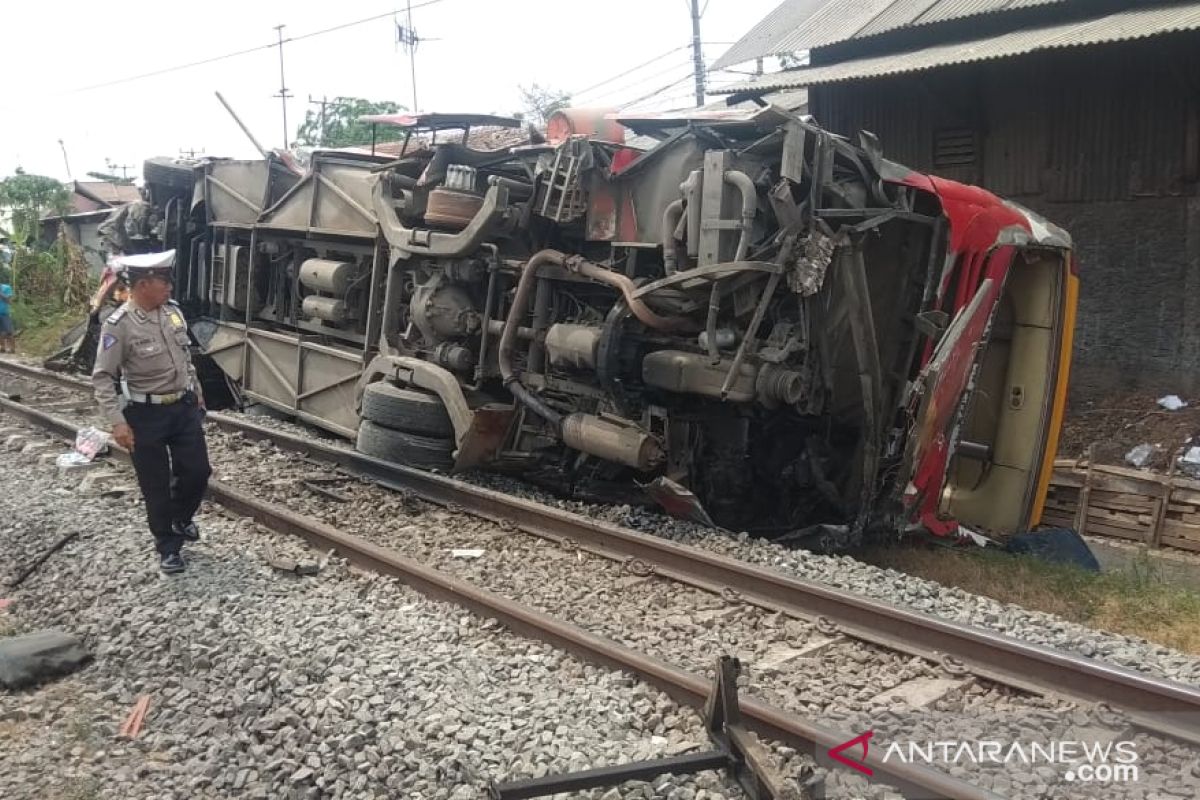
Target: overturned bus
747,319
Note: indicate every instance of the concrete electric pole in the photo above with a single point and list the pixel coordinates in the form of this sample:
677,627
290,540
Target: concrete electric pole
407,36
283,92
697,55
323,102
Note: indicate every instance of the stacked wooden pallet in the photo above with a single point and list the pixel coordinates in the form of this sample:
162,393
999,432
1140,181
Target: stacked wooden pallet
1103,500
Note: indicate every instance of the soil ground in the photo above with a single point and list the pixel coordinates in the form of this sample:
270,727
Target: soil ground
1114,424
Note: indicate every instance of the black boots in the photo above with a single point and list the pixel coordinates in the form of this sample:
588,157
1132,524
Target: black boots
172,563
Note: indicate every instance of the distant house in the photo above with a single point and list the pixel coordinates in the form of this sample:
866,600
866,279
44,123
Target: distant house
1087,111
89,204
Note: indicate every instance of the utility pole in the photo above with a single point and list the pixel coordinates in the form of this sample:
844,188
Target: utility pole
697,55
407,36
283,92
66,162
324,101
112,167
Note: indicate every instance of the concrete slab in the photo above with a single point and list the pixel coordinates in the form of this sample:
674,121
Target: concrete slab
918,692
779,656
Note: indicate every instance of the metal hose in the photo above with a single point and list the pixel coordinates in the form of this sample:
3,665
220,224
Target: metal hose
627,288
508,339
749,208
672,216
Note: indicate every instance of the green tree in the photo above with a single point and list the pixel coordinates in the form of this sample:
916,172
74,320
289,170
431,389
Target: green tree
28,198
340,127
539,102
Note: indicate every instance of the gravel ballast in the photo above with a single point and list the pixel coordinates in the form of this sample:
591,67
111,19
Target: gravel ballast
263,685
839,682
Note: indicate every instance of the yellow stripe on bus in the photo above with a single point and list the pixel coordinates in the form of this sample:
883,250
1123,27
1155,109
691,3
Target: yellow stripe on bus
1060,396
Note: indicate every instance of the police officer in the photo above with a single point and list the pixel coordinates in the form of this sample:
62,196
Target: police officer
146,386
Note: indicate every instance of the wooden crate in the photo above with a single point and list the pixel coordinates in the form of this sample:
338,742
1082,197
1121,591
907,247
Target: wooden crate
1123,503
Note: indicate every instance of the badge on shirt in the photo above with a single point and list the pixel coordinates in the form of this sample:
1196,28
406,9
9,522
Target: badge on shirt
108,340
176,320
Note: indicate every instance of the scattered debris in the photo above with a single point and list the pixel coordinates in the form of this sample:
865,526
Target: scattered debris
132,725
29,570
88,442
37,657
1189,462
292,566
1172,402
1142,455
1055,546
467,552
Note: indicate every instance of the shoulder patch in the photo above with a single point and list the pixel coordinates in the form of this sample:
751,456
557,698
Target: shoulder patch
173,302
107,340
117,315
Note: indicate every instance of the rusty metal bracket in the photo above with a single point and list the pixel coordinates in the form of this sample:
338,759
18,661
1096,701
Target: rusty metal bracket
736,751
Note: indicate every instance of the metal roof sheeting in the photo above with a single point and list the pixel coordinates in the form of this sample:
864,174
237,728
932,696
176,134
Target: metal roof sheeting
804,24
909,13
1118,27
763,39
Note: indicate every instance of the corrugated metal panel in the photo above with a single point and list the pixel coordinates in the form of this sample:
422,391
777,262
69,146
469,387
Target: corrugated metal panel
763,39
1111,126
836,21
804,24
1121,26
945,10
899,14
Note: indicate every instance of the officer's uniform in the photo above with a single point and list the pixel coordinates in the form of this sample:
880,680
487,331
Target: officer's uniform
145,353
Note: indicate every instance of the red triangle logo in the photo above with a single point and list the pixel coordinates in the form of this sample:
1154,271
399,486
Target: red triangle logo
862,739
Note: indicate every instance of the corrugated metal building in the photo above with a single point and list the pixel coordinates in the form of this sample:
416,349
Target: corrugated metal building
1085,110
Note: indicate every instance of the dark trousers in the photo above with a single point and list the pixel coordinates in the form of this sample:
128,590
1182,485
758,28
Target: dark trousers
171,461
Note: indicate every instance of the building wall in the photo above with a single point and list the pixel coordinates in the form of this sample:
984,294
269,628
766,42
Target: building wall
1104,141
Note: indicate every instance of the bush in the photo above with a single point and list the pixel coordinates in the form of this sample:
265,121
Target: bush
51,288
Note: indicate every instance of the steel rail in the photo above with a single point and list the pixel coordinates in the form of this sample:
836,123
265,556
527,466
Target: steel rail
1155,705
913,780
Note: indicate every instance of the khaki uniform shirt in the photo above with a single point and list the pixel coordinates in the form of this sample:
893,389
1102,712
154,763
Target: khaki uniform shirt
149,349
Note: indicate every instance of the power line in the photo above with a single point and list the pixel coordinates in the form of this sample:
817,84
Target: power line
633,69
247,51
659,90
674,67
620,75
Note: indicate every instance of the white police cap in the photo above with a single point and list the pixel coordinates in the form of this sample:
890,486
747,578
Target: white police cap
146,265
164,260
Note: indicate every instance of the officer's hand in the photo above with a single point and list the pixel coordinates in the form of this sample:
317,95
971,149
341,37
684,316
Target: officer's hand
123,435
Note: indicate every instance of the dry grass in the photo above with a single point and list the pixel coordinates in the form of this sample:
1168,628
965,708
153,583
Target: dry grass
1135,601
40,333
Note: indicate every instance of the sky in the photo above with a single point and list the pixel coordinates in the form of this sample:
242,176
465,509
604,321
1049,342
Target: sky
69,67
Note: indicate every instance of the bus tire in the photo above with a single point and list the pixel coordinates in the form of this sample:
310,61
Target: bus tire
402,447
409,410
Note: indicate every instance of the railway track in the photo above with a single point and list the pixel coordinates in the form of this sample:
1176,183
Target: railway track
1160,707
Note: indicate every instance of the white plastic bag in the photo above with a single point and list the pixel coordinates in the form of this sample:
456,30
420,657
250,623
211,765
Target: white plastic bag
1172,402
1189,462
90,441
1141,455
